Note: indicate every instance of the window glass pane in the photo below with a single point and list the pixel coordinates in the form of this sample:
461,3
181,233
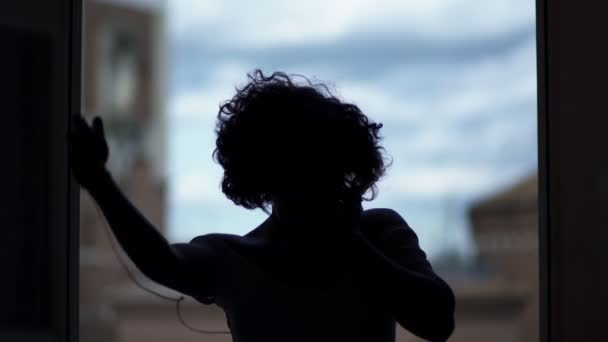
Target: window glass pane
453,82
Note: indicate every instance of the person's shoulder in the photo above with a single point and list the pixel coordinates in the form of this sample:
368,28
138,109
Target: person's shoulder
382,216
213,240
377,223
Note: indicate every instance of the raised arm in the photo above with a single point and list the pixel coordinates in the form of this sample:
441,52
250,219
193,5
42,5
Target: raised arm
397,271
168,265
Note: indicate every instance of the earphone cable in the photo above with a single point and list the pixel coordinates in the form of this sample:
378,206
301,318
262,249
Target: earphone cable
177,300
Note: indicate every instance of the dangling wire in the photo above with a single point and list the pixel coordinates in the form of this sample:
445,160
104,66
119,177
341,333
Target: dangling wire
177,300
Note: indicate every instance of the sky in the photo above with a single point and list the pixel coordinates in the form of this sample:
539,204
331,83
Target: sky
453,83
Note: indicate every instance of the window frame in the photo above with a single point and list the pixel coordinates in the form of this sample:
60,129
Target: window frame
542,145
60,22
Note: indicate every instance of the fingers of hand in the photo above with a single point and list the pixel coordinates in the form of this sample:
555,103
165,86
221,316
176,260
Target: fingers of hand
79,130
98,127
78,121
102,144
81,136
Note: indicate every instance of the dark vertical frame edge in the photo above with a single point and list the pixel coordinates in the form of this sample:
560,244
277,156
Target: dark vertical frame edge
544,196
73,191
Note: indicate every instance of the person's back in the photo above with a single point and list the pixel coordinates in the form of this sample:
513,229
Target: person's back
319,268
269,293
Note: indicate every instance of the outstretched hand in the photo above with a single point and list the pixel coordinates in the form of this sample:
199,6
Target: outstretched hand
88,150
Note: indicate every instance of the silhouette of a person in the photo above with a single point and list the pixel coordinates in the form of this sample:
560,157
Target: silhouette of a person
319,268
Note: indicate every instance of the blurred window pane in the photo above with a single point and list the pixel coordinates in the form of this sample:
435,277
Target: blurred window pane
453,82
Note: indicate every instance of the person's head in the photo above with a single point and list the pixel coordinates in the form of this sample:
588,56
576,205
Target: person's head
284,142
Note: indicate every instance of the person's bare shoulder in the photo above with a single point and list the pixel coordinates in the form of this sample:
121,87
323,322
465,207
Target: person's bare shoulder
390,233
383,214
209,239
377,221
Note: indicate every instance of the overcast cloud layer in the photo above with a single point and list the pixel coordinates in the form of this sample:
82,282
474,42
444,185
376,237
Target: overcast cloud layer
453,82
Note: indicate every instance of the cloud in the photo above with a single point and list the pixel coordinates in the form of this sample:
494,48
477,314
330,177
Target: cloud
456,92
197,186
363,57
449,181
203,100
406,93
272,22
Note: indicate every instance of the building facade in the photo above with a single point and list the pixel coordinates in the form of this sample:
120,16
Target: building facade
123,73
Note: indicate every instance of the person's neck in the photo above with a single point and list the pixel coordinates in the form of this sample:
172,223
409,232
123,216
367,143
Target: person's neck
320,223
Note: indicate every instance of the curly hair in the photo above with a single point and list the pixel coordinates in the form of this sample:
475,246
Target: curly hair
278,138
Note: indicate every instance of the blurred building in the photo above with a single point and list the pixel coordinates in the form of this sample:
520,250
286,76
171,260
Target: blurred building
123,71
501,303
